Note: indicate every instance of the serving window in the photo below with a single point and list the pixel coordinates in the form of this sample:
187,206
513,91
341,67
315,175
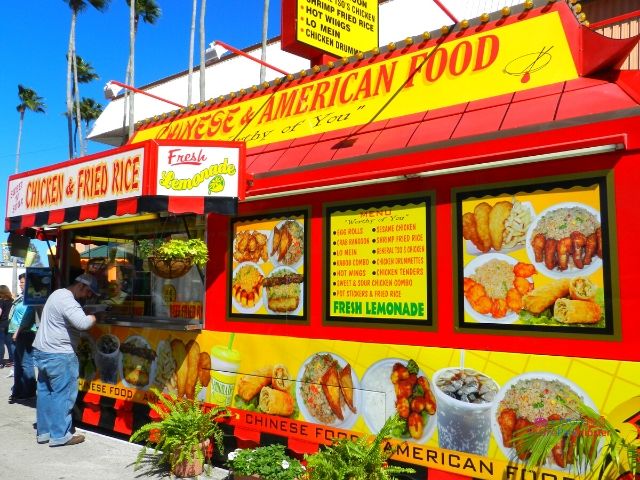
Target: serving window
134,289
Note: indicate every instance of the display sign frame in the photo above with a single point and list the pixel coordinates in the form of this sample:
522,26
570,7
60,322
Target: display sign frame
340,28
369,316
591,197
38,285
287,259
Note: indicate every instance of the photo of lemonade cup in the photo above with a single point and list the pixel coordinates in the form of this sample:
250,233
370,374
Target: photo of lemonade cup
464,397
225,363
107,356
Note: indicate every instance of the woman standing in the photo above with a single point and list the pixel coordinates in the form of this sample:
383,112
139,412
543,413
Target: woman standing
22,328
6,299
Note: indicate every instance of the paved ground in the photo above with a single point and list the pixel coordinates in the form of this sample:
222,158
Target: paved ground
100,457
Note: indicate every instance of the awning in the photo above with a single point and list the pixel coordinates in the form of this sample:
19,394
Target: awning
150,177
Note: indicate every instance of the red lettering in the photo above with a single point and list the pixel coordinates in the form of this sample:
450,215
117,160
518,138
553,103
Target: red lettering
457,67
481,63
343,97
441,55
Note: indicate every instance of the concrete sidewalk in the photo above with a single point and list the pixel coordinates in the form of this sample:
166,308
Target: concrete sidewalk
99,457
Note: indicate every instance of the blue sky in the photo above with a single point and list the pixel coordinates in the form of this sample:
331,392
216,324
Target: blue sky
33,43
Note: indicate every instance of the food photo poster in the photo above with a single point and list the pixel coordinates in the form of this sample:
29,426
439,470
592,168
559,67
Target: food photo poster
535,257
268,258
38,284
317,389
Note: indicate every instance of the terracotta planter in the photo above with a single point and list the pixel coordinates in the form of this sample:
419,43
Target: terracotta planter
169,268
191,467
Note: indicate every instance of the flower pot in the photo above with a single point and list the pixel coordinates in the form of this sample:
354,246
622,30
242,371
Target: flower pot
169,268
190,467
246,477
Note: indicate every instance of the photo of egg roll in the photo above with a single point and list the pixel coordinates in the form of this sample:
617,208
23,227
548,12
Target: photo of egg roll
280,378
250,385
581,288
276,402
576,311
541,298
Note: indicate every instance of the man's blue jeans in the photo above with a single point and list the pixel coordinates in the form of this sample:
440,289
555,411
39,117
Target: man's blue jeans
57,392
24,372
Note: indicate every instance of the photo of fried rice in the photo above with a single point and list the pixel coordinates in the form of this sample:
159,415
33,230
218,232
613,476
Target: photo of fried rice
328,390
533,399
494,285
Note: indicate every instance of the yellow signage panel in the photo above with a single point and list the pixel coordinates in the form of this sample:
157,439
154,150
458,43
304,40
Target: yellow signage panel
339,27
379,262
521,56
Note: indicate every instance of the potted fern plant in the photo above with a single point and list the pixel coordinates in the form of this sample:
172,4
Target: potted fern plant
361,459
174,258
589,445
268,462
182,436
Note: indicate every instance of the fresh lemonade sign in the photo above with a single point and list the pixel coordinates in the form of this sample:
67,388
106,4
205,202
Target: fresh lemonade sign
197,171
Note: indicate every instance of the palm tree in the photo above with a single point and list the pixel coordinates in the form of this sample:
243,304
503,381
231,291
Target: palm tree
203,9
150,12
29,100
85,73
90,110
76,6
192,35
265,27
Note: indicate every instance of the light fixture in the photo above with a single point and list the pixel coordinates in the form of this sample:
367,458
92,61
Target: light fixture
113,87
544,157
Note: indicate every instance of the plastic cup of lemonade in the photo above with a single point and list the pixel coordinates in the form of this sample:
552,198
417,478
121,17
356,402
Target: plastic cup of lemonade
225,363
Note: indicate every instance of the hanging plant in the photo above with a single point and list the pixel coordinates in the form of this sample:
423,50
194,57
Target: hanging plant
174,258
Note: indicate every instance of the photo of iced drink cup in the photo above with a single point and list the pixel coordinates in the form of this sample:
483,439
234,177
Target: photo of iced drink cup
225,363
107,356
464,398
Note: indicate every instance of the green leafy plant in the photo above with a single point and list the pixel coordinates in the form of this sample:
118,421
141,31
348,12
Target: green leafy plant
269,463
182,431
360,459
147,246
194,249
589,445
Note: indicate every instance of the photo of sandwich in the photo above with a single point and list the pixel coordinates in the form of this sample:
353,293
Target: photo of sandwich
283,289
499,226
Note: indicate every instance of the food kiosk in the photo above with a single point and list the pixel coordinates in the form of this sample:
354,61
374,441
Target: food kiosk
441,228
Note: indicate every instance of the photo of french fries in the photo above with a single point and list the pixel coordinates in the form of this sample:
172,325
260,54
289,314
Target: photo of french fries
500,226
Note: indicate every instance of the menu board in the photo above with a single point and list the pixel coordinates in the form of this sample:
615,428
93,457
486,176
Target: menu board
379,262
535,257
268,258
